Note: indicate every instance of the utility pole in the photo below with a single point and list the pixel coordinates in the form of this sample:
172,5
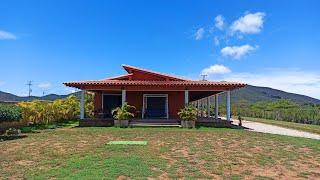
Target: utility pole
29,84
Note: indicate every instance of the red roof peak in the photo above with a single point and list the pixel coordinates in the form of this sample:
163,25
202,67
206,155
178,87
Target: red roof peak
132,69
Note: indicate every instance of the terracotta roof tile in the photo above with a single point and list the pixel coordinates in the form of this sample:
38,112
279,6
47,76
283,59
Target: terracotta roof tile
155,83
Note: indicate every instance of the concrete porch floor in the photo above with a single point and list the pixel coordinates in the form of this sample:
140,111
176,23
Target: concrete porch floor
202,121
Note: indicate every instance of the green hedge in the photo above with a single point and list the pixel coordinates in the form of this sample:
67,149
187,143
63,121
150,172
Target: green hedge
9,113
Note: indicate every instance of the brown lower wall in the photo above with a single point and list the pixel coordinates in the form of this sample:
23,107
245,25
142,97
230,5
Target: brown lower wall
96,123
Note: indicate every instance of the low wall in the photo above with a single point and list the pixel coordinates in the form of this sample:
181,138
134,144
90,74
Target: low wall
211,122
93,122
14,124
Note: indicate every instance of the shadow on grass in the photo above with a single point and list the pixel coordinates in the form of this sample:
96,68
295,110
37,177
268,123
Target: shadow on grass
239,127
9,138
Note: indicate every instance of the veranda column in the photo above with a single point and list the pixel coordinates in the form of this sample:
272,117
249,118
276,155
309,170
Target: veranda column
216,106
208,106
123,96
82,104
228,106
186,97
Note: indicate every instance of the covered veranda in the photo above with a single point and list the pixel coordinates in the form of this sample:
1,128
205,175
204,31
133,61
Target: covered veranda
157,97
207,102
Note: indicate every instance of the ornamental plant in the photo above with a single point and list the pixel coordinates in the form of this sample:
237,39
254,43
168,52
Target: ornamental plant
124,112
188,113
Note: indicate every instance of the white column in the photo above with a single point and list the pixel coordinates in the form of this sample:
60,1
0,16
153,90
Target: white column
228,106
123,96
186,97
216,106
208,106
82,105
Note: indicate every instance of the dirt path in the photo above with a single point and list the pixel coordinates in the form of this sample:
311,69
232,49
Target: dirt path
272,129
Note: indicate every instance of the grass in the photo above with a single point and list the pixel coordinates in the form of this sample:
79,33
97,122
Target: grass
82,153
303,127
35,129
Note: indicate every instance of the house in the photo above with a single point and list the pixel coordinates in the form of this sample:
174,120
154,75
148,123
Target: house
155,95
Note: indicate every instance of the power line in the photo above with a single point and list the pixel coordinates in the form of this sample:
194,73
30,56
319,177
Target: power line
29,84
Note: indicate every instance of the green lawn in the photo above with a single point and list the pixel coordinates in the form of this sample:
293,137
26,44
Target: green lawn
303,127
83,153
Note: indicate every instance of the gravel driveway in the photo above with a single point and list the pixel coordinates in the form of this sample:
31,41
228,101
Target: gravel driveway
266,128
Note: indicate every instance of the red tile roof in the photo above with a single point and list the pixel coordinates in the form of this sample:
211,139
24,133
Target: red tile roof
155,83
129,68
170,80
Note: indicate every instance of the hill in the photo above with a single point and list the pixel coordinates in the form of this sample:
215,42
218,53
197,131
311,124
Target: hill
5,97
254,94
249,94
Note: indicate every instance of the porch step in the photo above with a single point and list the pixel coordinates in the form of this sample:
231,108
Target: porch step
155,125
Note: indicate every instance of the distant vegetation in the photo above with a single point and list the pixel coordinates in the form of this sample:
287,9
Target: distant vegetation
283,110
40,112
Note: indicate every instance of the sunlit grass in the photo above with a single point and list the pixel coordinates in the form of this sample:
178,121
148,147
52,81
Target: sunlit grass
77,153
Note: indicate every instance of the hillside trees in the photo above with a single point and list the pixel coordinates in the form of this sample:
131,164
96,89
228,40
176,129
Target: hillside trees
284,110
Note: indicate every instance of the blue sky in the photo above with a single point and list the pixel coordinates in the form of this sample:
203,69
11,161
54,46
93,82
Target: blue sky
264,43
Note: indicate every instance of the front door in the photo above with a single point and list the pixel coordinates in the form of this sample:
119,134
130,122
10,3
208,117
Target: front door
155,106
110,102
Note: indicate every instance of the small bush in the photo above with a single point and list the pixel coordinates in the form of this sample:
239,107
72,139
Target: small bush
123,112
9,113
188,113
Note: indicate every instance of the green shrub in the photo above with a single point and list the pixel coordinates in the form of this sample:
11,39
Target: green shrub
123,112
188,113
50,112
9,113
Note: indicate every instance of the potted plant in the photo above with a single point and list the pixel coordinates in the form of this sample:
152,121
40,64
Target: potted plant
122,115
188,116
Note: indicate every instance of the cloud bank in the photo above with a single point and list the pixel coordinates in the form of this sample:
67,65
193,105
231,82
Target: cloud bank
216,69
248,24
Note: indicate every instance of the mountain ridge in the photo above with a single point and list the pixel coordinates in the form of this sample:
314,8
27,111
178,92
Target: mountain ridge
250,94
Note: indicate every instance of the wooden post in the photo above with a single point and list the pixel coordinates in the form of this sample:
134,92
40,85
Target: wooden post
82,105
186,97
208,106
123,96
228,106
216,106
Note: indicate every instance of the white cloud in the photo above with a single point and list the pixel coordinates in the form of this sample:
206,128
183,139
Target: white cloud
44,85
216,41
237,52
290,80
219,22
199,34
216,69
71,90
248,24
4,35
